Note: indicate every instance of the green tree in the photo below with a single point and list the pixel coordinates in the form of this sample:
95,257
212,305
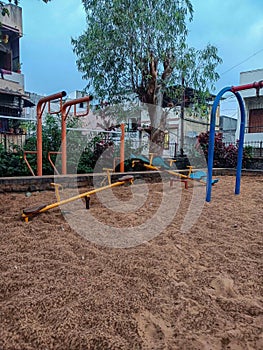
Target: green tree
136,47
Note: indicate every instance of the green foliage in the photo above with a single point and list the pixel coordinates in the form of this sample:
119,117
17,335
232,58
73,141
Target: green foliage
224,156
4,11
140,47
13,164
248,152
247,156
121,38
51,140
138,50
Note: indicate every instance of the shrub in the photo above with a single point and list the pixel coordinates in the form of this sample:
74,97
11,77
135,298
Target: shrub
224,156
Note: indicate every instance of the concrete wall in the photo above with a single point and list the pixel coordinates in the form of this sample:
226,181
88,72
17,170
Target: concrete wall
14,20
251,101
13,83
248,78
43,183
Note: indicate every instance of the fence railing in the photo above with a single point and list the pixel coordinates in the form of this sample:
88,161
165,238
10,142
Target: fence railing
11,141
142,146
254,129
255,147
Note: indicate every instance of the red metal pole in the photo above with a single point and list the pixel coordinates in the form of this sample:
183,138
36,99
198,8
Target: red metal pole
122,148
64,112
40,109
256,85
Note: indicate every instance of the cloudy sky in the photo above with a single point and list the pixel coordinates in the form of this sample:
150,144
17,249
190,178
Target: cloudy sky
234,26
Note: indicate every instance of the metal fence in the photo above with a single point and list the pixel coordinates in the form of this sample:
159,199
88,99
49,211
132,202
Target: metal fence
10,141
253,129
142,147
255,148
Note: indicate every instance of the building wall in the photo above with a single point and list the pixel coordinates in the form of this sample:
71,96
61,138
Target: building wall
249,77
12,95
194,124
251,101
14,20
228,126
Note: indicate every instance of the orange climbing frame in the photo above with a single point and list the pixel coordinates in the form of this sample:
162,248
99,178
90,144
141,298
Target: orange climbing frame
122,148
64,109
40,109
64,112
27,162
51,162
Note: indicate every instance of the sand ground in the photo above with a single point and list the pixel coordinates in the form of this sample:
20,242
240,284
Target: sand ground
201,289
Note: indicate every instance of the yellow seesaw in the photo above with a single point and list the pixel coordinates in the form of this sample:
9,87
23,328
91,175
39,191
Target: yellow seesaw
30,212
199,176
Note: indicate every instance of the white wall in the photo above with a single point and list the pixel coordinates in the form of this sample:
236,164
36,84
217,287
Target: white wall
249,96
14,19
248,78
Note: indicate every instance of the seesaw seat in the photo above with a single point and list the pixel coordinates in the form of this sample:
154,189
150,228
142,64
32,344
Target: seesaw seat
201,176
33,210
126,178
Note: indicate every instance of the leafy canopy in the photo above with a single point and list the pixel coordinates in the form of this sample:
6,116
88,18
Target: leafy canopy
139,46
124,36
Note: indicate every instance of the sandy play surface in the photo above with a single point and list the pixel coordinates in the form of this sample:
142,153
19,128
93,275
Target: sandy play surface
197,290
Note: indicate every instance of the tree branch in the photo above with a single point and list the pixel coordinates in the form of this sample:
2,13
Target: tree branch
167,69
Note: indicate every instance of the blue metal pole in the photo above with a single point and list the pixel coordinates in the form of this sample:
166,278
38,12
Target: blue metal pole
211,144
241,141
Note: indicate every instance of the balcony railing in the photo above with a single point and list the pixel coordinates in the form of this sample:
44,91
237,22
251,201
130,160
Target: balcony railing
10,141
255,147
13,81
254,129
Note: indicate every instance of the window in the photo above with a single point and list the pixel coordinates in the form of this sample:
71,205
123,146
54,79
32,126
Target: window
134,125
255,123
5,60
166,140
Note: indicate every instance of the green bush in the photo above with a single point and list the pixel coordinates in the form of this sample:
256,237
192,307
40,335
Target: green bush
13,164
224,156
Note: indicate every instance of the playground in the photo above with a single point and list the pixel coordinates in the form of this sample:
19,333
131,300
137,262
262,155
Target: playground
196,288
200,289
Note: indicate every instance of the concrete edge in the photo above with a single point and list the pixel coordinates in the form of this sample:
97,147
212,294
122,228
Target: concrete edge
43,183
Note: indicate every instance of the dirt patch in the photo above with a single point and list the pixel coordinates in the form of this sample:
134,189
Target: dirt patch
200,289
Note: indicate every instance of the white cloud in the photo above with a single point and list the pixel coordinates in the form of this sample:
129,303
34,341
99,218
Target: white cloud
256,30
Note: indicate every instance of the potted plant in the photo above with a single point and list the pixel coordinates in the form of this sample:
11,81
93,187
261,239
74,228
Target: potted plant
18,67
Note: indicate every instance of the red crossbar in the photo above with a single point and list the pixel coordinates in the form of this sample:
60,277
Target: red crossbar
256,85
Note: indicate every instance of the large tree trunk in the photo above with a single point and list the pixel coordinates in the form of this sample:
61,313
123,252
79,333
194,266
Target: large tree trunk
158,125
153,97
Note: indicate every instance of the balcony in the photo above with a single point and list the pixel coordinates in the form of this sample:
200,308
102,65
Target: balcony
254,133
12,82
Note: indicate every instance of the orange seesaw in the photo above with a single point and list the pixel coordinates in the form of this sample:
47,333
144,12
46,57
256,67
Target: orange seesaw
30,212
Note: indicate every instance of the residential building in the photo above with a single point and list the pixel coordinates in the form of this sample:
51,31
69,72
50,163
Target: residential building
253,106
13,98
228,127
